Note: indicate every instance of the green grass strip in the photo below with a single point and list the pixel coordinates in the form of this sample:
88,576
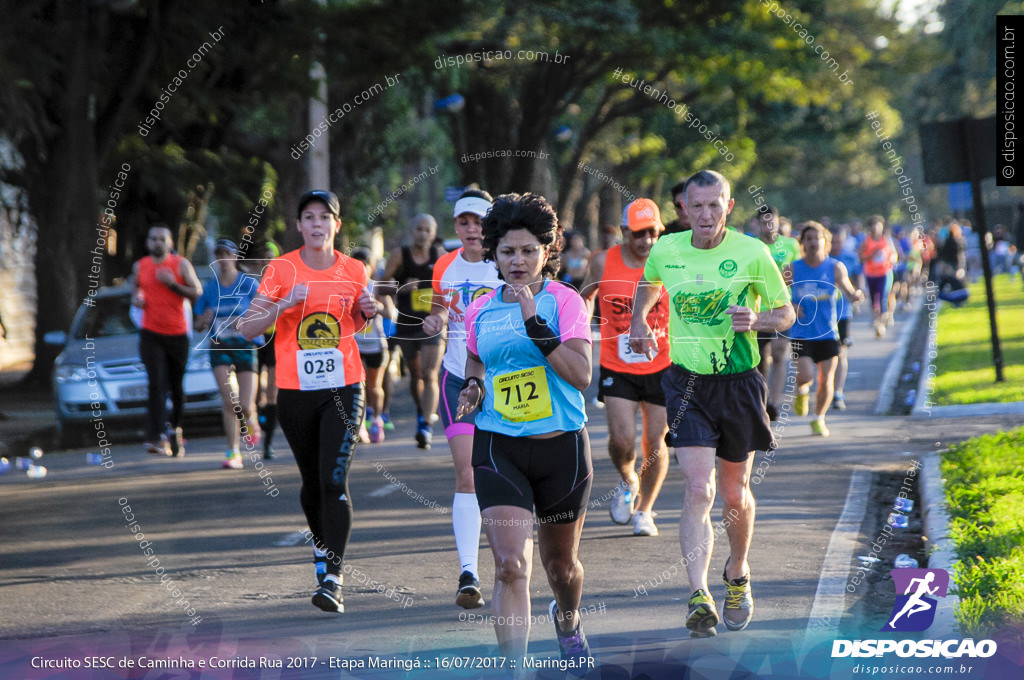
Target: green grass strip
985,493
964,373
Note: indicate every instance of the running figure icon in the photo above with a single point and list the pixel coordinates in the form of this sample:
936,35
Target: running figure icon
917,593
916,604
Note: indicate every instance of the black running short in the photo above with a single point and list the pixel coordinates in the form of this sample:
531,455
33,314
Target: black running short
631,387
724,412
265,352
374,360
817,350
554,475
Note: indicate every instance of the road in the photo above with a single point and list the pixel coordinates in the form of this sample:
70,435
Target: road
77,583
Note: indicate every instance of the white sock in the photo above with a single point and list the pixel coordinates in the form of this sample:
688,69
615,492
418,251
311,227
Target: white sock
466,523
333,577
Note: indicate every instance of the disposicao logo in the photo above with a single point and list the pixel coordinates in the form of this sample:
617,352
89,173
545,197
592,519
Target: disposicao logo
914,611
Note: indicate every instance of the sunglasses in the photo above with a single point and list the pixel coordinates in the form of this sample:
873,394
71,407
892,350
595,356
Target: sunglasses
646,233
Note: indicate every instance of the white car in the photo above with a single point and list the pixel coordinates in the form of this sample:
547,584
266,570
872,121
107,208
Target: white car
100,364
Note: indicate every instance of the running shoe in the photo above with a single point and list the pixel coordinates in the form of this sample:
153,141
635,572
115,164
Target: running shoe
328,597
161,448
232,461
388,425
643,524
177,441
701,617
574,645
802,403
621,508
818,428
423,436
377,430
469,595
739,603
839,402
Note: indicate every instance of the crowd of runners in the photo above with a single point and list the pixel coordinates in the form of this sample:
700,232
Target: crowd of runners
700,327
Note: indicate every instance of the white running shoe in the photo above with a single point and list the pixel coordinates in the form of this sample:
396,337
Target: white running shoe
643,524
621,508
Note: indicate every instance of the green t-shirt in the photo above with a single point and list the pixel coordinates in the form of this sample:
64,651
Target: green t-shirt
785,250
701,285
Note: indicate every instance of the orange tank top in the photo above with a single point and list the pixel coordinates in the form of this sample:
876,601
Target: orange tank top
164,312
615,292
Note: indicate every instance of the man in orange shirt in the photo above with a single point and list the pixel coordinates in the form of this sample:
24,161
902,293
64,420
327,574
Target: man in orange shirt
630,380
161,283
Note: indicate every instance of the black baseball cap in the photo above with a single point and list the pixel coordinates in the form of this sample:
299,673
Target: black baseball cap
328,198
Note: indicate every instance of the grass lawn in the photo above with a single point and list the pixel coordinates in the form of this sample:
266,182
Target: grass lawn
963,368
985,494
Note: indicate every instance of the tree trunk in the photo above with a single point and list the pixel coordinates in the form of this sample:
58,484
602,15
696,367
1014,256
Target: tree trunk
63,201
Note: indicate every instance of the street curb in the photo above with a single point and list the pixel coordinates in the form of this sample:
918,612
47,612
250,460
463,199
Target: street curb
892,370
942,554
926,381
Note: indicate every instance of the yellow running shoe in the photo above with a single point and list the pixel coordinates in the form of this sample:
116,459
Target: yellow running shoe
818,428
739,603
701,617
800,406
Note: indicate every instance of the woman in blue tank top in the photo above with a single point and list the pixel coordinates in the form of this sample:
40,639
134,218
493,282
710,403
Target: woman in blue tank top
815,282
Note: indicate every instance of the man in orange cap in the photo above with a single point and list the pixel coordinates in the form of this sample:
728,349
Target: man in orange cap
630,380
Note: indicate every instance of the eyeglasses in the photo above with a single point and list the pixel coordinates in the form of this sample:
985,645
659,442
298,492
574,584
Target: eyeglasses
646,233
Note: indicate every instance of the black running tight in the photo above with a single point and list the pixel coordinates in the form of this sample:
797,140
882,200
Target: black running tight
322,428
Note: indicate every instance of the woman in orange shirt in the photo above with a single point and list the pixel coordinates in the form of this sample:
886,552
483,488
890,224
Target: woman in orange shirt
878,255
318,299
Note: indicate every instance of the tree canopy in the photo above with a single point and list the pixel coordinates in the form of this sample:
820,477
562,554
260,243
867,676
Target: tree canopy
206,105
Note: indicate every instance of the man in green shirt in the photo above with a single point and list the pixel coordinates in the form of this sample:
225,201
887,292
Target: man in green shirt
774,348
716,279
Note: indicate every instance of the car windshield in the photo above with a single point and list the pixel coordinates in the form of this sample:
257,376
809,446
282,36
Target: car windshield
110,315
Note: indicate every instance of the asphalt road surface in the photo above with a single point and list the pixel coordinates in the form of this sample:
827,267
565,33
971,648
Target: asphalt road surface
77,588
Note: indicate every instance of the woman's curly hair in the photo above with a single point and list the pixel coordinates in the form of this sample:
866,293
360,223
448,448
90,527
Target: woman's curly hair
531,212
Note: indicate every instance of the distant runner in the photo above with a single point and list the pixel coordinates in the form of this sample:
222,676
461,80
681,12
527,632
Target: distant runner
161,283
631,381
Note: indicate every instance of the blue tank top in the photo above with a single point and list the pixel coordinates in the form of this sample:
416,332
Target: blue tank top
814,297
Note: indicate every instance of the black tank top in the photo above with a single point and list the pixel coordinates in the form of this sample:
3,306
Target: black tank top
415,293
